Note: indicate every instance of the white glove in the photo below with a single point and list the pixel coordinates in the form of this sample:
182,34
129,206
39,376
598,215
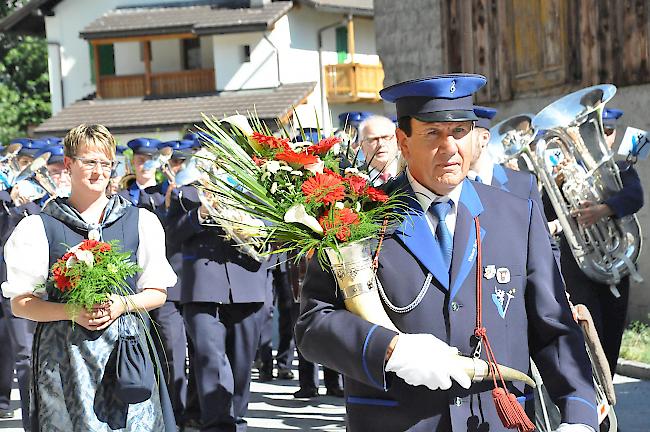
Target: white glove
423,359
578,427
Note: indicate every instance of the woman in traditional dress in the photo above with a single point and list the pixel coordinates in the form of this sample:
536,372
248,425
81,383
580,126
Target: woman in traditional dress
73,369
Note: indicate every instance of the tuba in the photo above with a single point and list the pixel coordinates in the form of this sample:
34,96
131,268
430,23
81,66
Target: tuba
9,168
574,164
35,181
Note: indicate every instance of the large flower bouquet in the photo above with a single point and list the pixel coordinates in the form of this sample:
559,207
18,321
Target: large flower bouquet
88,273
307,197
299,187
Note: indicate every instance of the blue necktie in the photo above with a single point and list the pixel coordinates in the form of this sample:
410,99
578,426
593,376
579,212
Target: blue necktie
443,235
478,179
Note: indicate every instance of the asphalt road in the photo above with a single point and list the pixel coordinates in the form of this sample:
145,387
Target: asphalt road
274,409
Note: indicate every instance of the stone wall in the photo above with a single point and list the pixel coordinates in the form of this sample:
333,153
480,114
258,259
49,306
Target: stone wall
409,39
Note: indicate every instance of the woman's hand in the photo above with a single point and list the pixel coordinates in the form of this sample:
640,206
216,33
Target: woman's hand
102,315
116,306
90,320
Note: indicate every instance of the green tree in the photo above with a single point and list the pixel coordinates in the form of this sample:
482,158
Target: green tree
24,86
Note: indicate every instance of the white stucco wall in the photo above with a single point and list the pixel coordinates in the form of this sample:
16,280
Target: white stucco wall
70,17
294,35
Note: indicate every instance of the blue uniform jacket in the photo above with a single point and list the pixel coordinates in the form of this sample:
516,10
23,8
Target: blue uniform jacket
535,321
213,269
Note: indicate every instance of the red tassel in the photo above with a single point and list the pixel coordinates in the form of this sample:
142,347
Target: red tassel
525,425
512,415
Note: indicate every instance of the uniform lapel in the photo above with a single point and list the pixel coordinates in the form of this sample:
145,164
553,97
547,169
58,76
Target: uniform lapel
134,193
500,178
464,255
415,234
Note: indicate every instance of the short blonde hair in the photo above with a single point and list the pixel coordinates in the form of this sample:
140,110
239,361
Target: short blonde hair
93,136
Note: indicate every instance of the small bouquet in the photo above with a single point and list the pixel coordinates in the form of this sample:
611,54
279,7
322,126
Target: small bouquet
309,201
91,271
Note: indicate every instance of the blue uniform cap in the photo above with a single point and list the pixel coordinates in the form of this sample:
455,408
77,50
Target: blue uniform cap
56,153
436,99
354,118
147,146
52,140
181,148
30,146
484,114
195,138
610,115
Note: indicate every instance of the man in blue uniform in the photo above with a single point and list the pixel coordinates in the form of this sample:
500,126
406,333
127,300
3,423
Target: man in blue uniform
171,329
608,311
428,269
16,205
222,294
143,150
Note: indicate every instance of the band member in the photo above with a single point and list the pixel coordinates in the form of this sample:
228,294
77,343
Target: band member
608,307
20,331
412,381
379,145
172,340
222,296
143,149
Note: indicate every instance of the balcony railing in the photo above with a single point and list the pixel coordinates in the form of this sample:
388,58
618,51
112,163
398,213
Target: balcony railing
353,82
162,84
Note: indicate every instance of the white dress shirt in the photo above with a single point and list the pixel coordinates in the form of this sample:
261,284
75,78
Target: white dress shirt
27,256
425,197
486,174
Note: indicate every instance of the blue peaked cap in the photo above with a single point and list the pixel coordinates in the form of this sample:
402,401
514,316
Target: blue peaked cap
56,153
354,118
180,148
437,98
30,146
610,115
485,115
52,140
146,146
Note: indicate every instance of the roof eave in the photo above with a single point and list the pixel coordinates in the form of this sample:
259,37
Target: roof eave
29,19
116,34
347,10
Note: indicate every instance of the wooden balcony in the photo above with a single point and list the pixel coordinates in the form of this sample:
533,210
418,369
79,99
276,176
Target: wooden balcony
353,82
161,84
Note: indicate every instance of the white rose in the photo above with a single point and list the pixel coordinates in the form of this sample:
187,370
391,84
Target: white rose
271,166
86,257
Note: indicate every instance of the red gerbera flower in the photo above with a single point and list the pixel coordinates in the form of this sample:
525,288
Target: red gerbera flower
357,184
296,159
376,194
271,141
323,145
323,188
332,173
339,222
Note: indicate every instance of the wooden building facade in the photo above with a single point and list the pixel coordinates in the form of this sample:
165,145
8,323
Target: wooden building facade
543,47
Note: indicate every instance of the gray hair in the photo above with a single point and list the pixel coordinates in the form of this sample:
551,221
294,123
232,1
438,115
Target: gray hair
376,119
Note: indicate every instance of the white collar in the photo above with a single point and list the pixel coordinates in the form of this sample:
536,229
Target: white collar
425,197
486,174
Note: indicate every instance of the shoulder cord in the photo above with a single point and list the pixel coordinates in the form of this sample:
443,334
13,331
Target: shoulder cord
375,264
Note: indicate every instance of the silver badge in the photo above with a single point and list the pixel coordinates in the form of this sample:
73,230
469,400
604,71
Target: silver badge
490,271
452,88
503,275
